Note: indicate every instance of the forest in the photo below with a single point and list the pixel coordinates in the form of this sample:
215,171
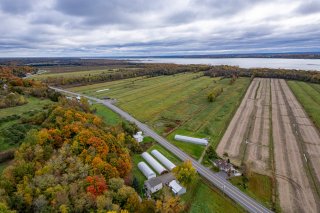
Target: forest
71,161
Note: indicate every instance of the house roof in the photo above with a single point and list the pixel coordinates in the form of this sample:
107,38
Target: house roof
222,164
175,186
164,179
153,182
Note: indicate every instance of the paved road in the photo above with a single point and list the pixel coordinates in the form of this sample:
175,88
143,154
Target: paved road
228,189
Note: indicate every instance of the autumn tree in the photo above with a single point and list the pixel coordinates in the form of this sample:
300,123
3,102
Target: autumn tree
185,173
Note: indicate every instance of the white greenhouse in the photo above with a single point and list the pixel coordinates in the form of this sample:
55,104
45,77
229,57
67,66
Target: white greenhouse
191,140
165,161
153,163
145,169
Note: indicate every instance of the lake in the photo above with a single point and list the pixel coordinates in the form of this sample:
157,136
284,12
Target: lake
300,64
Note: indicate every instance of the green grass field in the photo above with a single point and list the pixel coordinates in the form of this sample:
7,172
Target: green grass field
202,198
176,103
33,104
258,187
308,95
109,117
72,74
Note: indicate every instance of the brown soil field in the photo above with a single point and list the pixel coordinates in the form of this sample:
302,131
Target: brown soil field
296,143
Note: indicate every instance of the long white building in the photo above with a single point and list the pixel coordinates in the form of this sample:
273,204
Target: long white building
153,163
165,161
188,139
146,170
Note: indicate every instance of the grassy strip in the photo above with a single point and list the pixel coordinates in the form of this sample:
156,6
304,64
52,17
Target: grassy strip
202,198
258,187
308,98
109,117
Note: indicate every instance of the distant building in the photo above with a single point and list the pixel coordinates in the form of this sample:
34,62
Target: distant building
176,188
226,167
138,137
200,141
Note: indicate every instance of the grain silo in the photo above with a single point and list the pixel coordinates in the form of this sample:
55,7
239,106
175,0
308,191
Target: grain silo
145,169
153,163
191,139
165,161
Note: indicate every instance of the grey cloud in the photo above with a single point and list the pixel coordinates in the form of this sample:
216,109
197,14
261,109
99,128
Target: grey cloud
16,6
309,7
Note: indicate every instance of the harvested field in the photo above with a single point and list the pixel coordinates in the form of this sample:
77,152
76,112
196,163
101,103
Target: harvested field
247,137
296,146
296,143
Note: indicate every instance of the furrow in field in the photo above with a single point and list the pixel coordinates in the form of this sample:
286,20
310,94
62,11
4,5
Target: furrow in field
257,152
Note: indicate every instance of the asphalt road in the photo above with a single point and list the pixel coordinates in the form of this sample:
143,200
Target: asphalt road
227,188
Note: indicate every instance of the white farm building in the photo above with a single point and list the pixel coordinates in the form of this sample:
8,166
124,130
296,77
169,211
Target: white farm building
176,188
138,137
145,169
165,161
188,139
153,163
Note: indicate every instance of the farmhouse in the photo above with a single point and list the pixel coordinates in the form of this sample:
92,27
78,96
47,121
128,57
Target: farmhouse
155,184
138,137
226,167
191,140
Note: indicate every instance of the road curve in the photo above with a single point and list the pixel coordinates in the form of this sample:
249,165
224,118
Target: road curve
227,188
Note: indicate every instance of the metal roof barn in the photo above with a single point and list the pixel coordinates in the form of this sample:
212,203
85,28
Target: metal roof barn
191,139
165,161
145,169
155,164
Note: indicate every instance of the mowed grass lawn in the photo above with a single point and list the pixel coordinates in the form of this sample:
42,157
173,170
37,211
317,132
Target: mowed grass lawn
308,94
258,187
108,116
176,103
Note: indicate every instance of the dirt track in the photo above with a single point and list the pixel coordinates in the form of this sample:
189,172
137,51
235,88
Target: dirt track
295,139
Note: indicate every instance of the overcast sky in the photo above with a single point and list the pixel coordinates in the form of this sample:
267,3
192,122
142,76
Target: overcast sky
162,27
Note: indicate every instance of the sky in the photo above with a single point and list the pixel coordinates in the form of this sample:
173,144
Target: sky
41,28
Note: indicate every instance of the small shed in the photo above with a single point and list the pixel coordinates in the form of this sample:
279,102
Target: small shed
146,170
176,188
165,161
153,185
138,137
200,141
153,163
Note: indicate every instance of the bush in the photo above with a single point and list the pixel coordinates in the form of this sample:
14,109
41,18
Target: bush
214,94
